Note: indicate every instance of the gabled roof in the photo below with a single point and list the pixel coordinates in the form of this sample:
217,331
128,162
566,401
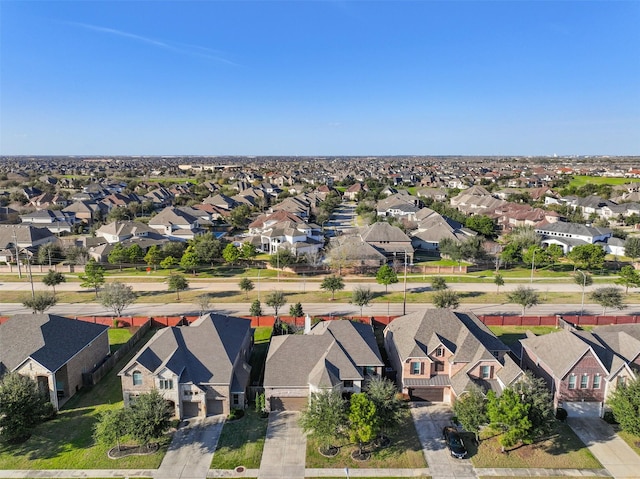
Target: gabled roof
576,229
124,228
174,216
356,338
49,339
383,232
25,235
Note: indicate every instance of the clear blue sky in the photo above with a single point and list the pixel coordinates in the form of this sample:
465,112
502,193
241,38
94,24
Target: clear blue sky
319,77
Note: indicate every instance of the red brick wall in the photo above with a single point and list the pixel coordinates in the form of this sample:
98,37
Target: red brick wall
590,365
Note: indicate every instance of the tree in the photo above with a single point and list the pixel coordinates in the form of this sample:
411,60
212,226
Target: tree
534,392
112,425
239,216
22,407
93,275
607,297
525,297
53,278
153,257
628,277
203,301
248,251
276,300
117,296
231,253
255,309
438,283
583,279
482,224
510,415
470,409
39,301
118,255
390,408
361,296
324,417
173,248
149,417
207,248
632,247
135,253
296,311
282,258
386,275
587,256
446,298
189,260
177,282
498,280
332,283
50,253
363,420
246,285
168,262
625,404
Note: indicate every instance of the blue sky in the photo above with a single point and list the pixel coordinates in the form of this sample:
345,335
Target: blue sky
319,77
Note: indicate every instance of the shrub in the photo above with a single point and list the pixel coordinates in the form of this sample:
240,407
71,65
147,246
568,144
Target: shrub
561,414
235,414
609,417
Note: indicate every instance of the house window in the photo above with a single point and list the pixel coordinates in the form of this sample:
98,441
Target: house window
596,381
137,378
440,352
236,399
485,372
415,367
584,381
166,384
347,383
439,366
369,370
572,381
621,381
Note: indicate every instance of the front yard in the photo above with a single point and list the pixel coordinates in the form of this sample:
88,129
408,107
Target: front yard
241,442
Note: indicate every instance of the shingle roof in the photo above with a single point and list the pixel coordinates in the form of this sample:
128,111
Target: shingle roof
382,232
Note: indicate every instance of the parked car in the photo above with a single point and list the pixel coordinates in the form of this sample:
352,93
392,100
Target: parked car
454,442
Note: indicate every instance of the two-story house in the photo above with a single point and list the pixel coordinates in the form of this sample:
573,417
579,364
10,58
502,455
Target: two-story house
570,235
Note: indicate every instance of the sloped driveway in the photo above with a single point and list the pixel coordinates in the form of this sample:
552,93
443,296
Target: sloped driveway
285,448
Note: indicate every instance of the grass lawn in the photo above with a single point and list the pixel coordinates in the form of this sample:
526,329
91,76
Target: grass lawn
405,451
563,450
633,441
241,442
579,181
261,340
511,334
66,442
119,336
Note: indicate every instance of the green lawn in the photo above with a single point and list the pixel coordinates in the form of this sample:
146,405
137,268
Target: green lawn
579,181
241,442
633,441
66,442
118,337
563,450
511,334
405,451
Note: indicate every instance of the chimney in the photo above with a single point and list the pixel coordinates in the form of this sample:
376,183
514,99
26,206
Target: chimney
307,324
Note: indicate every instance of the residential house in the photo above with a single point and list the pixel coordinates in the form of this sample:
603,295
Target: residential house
47,200
438,354
27,238
201,369
52,350
388,240
55,221
177,223
337,355
583,368
283,229
570,235
118,231
86,211
352,192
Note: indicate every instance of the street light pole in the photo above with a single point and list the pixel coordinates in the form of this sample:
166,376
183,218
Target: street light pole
533,264
584,285
404,300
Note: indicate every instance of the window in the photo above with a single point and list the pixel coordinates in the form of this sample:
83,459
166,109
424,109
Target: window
621,381
439,366
347,383
236,399
137,378
369,370
485,372
584,381
166,384
415,367
572,381
440,351
596,381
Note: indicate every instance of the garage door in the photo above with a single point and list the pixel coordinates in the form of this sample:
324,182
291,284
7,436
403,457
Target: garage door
288,404
214,406
582,409
190,409
427,394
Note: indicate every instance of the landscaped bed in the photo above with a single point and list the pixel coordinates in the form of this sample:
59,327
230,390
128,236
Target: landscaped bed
241,442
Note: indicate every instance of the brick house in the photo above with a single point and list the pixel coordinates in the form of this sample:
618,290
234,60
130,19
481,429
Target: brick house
53,350
582,368
438,354
201,369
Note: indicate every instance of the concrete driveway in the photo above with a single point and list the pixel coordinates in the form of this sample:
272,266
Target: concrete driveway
608,448
191,451
429,421
285,448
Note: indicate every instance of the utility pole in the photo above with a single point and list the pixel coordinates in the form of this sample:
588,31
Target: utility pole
33,293
533,264
404,300
15,244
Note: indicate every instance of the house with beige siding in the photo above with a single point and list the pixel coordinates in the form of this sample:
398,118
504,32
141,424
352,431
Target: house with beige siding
52,350
201,369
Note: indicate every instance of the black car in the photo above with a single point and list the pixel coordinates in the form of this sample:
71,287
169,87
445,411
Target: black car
454,442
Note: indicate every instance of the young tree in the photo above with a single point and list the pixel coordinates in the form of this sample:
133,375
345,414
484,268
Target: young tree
248,251
53,278
438,283
470,409
510,415
625,404
498,280
149,417
117,296
587,256
203,301
112,425
525,297
628,277
282,258
324,417
153,257
386,275
50,253
582,279
189,261
40,301
632,247
168,262
296,311
93,275
363,420
276,300
135,253
22,407
482,224
534,392
446,298
177,282
361,296
255,309
118,255
246,285
390,408
607,297
332,283
231,253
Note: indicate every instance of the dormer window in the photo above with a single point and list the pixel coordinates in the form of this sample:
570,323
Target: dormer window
439,351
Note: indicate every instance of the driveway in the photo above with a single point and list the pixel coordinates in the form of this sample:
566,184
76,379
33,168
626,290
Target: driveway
191,451
429,421
285,448
608,448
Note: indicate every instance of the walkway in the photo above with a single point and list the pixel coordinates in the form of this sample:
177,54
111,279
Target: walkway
608,448
285,448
